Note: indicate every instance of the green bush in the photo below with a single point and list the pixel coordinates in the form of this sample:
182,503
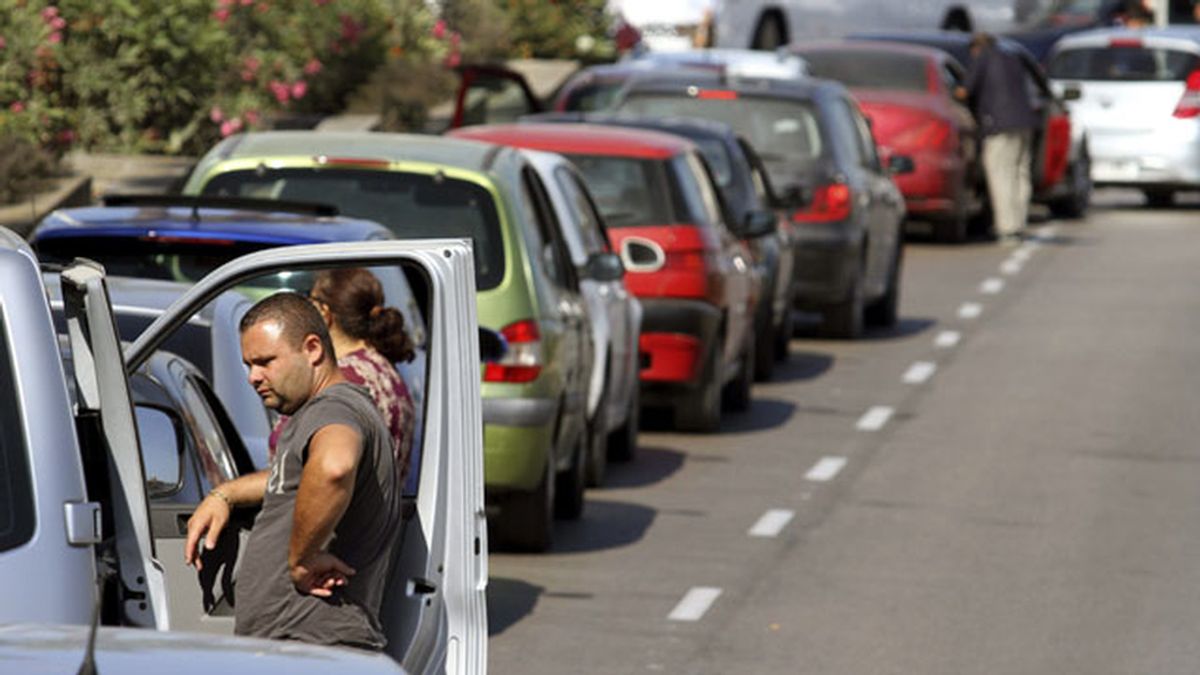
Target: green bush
24,169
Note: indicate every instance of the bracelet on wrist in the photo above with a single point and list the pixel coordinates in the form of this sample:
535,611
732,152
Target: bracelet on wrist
216,492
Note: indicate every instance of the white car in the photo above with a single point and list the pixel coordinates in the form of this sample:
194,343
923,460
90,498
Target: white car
1137,93
73,497
614,313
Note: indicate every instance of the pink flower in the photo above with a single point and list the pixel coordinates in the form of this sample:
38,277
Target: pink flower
311,68
280,91
221,15
250,66
299,89
439,29
247,3
54,38
17,107
453,59
49,13
455,40
216,114
231,126
350,29
3,43
251,116
58,23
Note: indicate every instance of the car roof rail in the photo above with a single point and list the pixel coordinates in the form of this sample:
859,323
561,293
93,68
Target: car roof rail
210,202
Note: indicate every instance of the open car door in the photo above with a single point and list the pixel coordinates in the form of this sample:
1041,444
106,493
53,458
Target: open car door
434,610
492,95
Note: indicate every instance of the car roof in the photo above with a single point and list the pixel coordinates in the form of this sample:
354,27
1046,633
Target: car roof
955,43
912,49
1178,36
687,81
591,139
734,62
390,147
212,223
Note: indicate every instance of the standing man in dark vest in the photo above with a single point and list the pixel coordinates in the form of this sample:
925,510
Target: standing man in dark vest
320,551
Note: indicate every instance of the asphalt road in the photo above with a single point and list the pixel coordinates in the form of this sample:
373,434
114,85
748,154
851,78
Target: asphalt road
1008,482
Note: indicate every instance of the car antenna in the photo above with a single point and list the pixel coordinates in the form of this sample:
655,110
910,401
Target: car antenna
104,571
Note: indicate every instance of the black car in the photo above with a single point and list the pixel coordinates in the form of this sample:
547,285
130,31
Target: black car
817,148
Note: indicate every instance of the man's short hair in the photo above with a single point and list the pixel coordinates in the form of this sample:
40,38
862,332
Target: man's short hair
295,314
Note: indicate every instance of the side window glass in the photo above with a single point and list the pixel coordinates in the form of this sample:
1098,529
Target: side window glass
950,79
843,125
703,182
866,141
553,252
589,218
212,454
160,436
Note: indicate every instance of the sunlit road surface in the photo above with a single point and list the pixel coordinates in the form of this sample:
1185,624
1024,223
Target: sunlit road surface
1008,482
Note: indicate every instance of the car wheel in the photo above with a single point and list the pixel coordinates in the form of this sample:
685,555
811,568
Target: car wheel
700,409
1159,197
597,450
737,395
764,350
572,482
886,310
526,521
1075,205
845,319
787,327
623,442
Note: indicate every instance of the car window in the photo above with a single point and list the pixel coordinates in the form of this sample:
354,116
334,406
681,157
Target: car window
951,76
555,258
866,154
719,161
782,129
212,452
590,227
1118,63
696,191
168,258
630,192
596,96
870,69
842,124
17,519
411,205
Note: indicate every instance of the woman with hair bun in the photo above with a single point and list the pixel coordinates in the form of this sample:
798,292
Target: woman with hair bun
368,339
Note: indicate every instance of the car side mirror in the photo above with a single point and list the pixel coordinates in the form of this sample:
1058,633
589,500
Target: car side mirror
1072,92
492,345
758,224
604,266
795,196
900,164
160,435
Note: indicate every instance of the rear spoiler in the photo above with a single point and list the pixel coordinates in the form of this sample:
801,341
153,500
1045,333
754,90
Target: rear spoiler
233,203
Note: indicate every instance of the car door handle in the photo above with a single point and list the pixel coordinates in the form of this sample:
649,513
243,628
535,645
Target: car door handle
420,586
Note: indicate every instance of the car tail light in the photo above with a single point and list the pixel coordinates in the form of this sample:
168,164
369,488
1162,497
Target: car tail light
717,95
1128,43
830,203
932,135
1189,103
523,360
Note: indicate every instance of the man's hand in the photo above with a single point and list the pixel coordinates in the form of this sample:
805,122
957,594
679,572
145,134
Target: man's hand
321,574
208,520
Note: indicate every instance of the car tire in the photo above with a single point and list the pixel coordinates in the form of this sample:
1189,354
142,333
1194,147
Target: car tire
787,328
597,450
1075,204
568,503
623,442
1159,198
844,320
700,409
886,310
526,521
764,350
738,394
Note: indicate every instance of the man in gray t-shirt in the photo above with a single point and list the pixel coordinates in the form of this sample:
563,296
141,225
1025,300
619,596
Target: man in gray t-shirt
320,550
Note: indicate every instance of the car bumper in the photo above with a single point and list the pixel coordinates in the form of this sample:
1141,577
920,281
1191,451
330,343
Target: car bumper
676,336
1167,157
518,433
826,263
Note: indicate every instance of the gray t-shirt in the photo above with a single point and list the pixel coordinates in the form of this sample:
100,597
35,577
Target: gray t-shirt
267,604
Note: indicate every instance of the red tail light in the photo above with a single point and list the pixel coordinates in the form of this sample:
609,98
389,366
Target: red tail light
523,360
830,203
1189,103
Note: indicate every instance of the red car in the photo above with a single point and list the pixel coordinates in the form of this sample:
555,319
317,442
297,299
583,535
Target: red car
907,92
693,275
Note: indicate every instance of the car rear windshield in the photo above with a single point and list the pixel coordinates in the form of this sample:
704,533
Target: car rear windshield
629,192
152,257
779,128
413,206
16,484
1123,63
870,69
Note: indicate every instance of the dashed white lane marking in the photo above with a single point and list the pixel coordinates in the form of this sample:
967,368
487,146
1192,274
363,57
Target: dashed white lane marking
991,286
1011,266
875,418
919,372
947,339
970,310
695,603
826,470
771,523
1025,251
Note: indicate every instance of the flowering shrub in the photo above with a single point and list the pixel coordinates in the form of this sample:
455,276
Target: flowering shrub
173,77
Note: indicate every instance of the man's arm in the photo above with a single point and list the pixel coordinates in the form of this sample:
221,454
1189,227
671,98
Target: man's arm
211,516
326,486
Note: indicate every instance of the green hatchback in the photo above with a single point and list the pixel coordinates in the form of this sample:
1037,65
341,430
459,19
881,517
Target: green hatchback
534,400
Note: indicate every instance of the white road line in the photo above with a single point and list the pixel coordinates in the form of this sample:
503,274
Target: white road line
1025,250
695,603
991,286
1011,266
826,470
947,339
875,418
771,523
919,372
970,310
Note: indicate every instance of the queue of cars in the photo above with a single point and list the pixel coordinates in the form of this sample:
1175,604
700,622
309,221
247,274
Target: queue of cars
645,257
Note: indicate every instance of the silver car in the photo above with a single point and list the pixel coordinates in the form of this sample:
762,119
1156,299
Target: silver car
1137,93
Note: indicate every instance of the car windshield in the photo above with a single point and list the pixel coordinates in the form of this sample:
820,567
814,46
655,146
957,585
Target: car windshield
1117,63
154,257
16,487
629,192
411,205
780,128
870,69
